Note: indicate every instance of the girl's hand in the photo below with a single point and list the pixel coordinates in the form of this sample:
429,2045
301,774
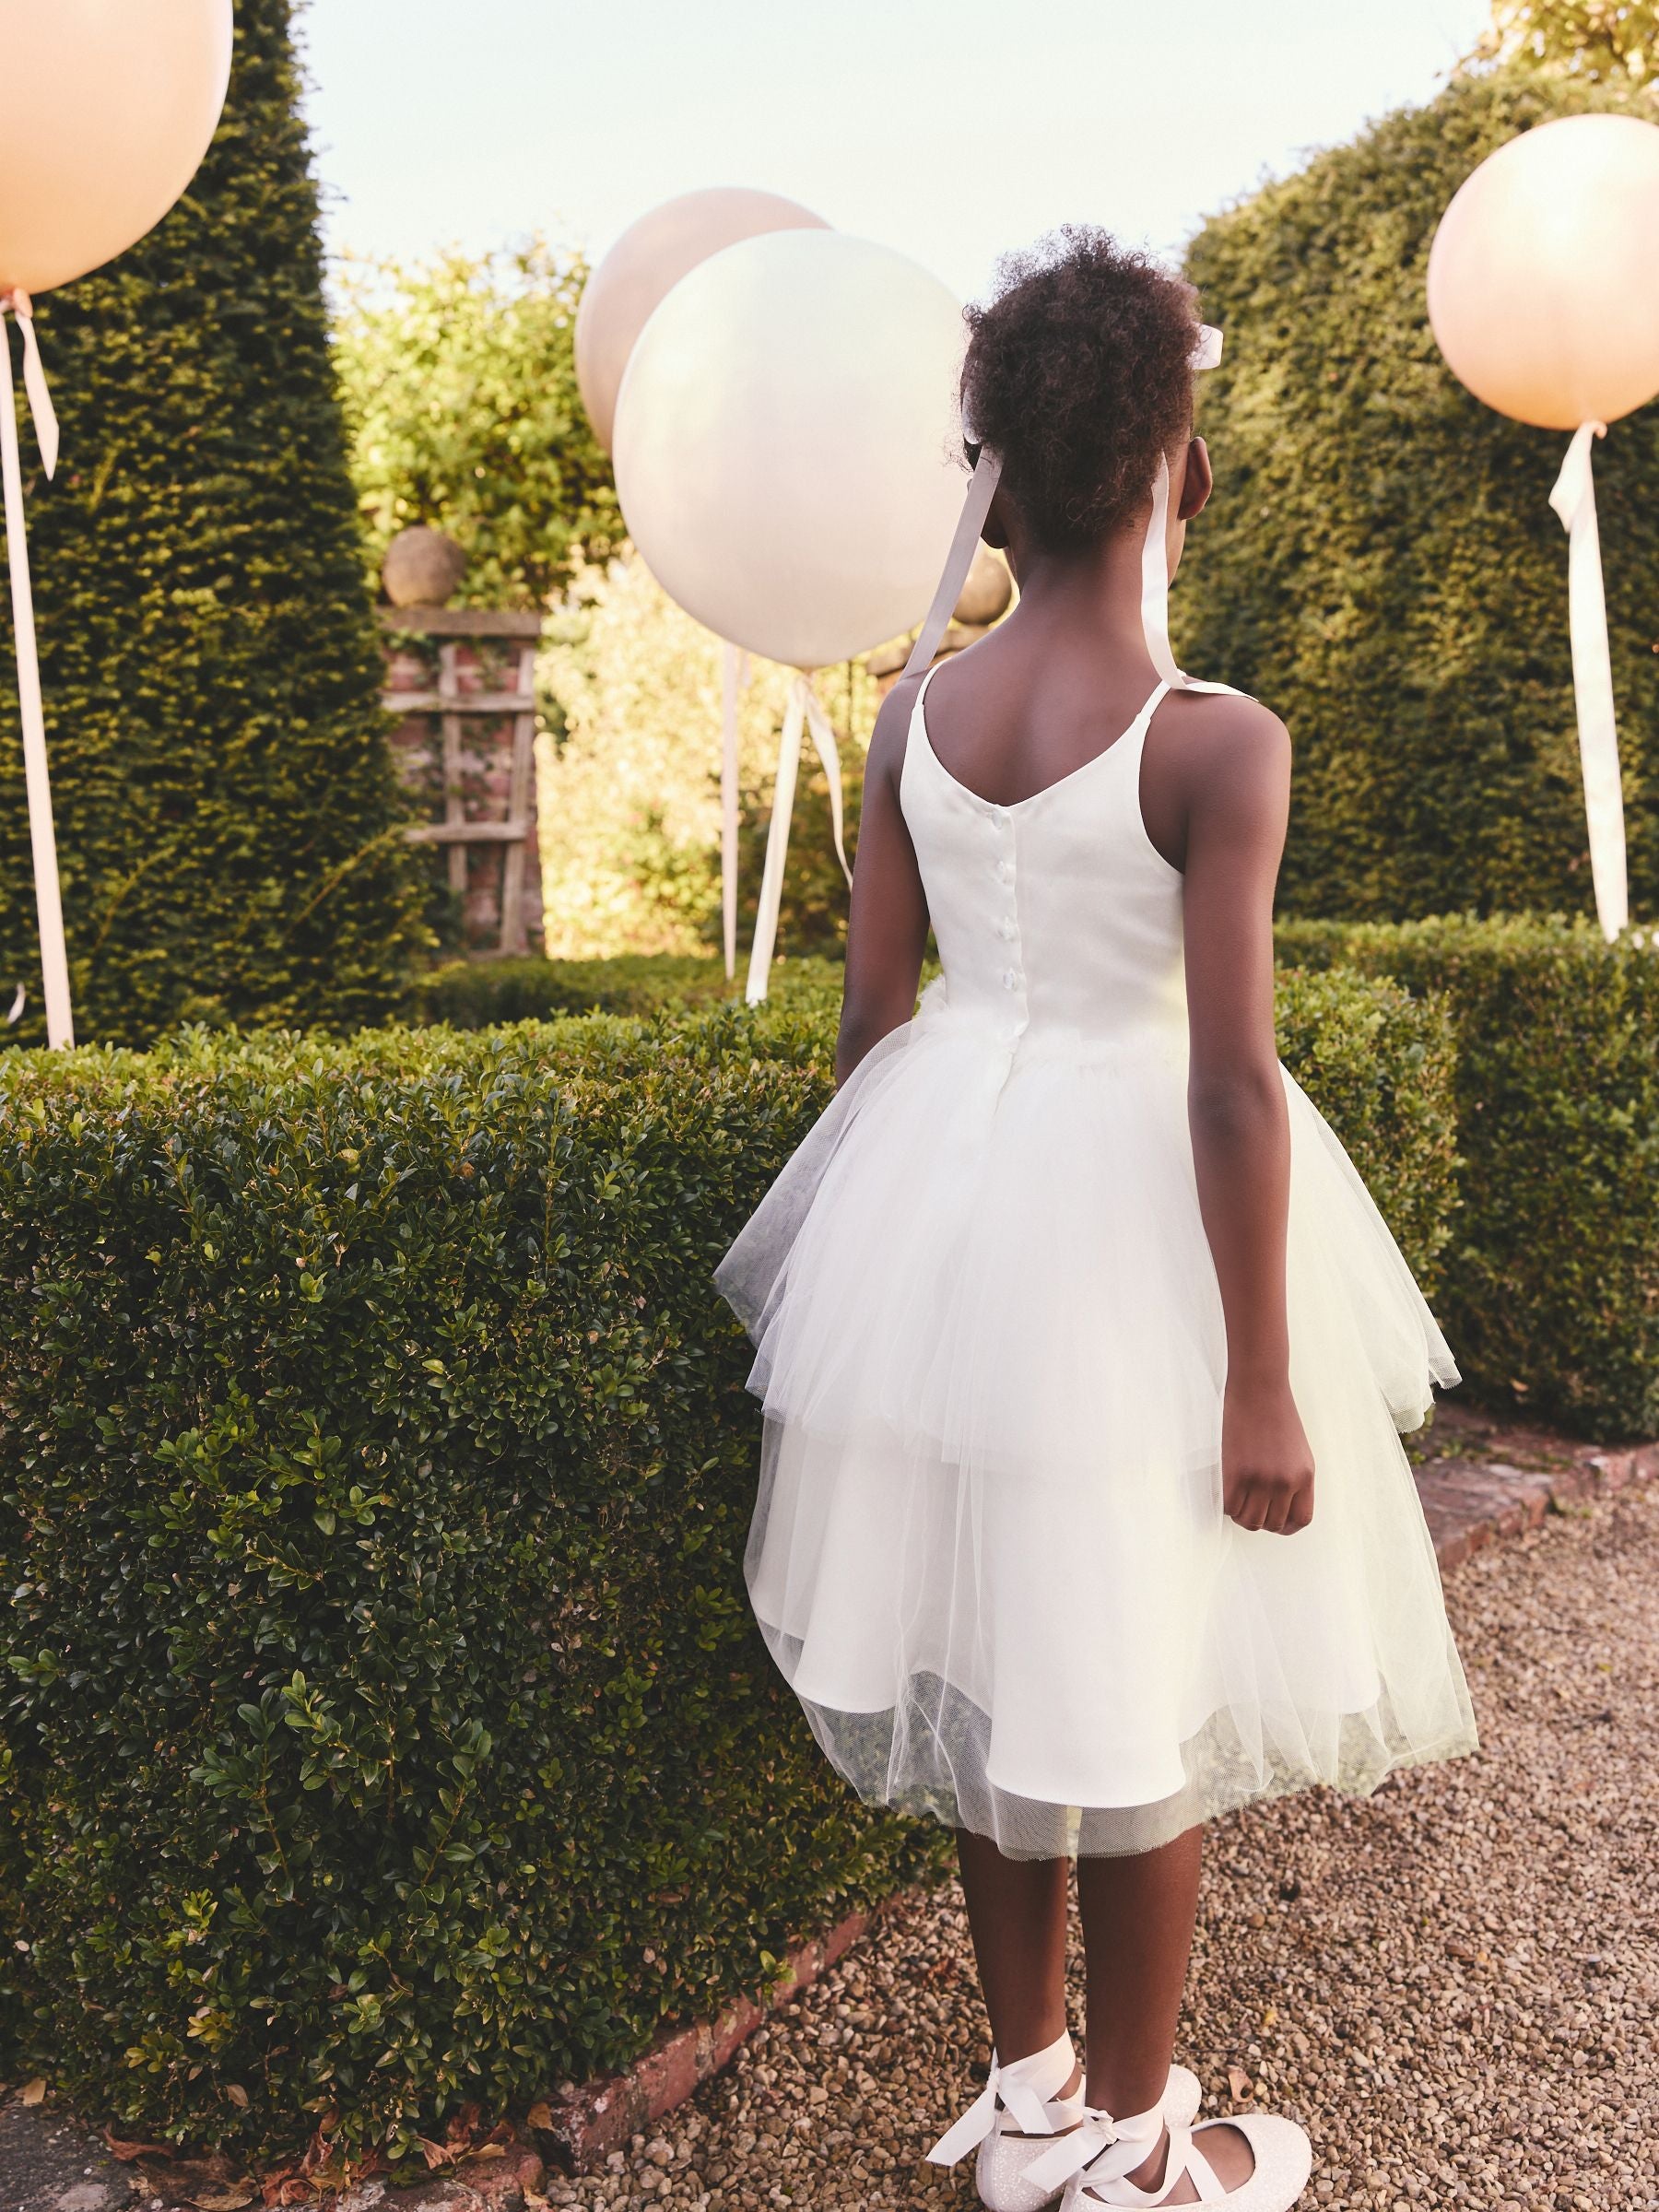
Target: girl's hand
1266,1466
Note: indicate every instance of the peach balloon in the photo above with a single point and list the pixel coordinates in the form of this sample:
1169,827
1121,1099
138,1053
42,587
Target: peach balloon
783,444
109,107
1544,275
644,265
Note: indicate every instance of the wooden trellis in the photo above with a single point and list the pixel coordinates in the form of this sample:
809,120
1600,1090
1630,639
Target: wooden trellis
453,706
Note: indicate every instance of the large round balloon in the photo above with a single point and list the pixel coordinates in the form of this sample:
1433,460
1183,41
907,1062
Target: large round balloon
783,444
108,107
1544,275
644,265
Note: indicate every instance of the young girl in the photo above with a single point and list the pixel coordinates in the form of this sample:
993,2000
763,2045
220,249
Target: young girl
1084,1515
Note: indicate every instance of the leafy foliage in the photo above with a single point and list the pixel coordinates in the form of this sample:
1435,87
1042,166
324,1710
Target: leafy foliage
382,1722
629,780
387,1725
460,382
227,826
1382,1068
1597,38
475,994
1550,1287
1380,564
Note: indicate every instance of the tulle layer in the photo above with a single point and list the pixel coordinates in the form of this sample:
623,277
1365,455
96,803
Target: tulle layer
989,1552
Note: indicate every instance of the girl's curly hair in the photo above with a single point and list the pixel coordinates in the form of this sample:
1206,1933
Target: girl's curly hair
1078,374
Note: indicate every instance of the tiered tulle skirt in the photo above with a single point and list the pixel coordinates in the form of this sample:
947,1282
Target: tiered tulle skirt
989,1553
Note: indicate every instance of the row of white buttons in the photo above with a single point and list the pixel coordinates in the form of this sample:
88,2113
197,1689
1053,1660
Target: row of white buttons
1008,928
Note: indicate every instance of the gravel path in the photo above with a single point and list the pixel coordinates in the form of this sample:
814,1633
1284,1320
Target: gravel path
1453,1985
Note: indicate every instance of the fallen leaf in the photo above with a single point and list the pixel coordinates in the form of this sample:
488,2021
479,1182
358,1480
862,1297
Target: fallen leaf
127,2152
222,2200
32,2092
1238,2081
540,2115
237,2094
435,2154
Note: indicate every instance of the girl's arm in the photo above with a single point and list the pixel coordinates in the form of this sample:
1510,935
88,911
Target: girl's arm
886,926
1235,758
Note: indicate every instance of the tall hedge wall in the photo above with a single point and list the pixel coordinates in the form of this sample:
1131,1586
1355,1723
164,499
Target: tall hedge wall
381,1724
225,814
1380,563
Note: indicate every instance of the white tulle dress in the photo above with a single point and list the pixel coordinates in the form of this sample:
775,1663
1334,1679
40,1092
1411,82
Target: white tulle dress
989,1553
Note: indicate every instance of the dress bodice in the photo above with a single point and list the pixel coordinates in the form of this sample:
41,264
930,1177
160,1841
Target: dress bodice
1058,919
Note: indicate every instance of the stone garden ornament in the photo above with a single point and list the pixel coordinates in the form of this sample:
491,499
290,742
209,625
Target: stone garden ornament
617,301
1544,298
109,107
783,458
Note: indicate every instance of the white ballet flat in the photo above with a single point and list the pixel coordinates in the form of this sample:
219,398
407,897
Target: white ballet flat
1024,2098
1096,2158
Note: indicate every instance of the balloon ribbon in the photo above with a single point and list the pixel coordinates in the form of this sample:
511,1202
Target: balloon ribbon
733,674
54,965
1573,499
803,711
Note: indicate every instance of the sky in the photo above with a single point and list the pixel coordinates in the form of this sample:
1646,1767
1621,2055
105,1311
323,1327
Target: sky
951,130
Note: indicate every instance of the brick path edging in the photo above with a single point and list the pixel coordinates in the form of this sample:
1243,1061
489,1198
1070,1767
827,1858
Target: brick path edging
1469,1500
590,2121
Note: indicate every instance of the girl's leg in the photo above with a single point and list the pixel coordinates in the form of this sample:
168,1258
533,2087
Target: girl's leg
1137,1933
1017,1911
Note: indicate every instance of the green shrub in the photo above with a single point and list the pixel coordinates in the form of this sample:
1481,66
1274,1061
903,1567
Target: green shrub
1380,563
1382,1069
385,1723
472,994
383,1726
227,823
1550,1287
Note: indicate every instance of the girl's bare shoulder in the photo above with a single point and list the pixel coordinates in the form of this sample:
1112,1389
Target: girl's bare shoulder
1221,741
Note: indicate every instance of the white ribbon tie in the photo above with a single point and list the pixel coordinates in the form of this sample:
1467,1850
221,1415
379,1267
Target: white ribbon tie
55,963
803,711
1024,2088
1573,499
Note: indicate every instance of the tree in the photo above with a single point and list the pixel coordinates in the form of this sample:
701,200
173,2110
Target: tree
229,834
460,379
1380,563
1600,39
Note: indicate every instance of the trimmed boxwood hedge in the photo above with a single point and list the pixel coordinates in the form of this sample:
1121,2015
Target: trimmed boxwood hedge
228,818
382,1727
1550,1287
1379,562
473,994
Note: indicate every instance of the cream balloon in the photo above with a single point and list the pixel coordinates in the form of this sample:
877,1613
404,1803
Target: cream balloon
109,107
643,267
1544,273
783,444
